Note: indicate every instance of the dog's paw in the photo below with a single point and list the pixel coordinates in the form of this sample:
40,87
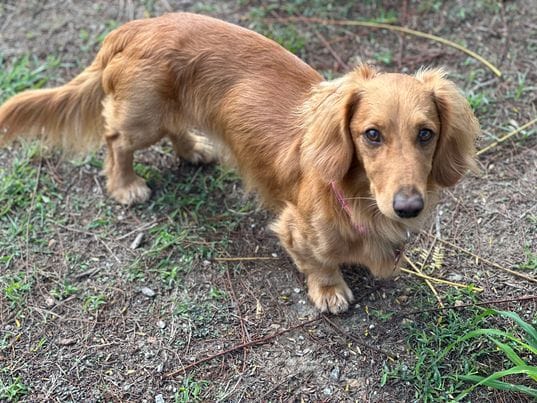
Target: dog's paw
135,192
333,298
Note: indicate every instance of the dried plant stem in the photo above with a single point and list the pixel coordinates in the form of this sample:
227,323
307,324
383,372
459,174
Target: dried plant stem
253,342
436,280
427,281
244,258
506,137
396,28
489,262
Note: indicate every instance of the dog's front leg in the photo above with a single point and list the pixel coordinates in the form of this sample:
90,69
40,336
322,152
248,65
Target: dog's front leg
326,287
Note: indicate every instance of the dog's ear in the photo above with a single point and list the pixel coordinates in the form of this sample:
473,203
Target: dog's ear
327,146
455,152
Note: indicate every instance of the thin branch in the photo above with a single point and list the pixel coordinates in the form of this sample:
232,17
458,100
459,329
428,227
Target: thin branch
244,333
436,280
396,28
506,137
484,260
244,258
254,342
331,50
420,271
484,303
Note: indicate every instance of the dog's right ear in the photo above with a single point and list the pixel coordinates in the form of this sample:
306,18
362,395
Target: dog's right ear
327,146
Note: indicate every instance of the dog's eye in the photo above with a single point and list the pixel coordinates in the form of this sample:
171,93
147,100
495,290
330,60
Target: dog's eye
425,135
373,136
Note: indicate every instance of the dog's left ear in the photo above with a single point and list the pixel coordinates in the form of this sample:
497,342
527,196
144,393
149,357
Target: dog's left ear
327,146
455,152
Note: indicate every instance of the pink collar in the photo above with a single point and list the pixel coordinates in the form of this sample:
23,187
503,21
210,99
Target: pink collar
360,228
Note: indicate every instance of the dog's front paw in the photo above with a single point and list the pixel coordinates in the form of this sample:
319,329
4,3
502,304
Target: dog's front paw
133,193
330,298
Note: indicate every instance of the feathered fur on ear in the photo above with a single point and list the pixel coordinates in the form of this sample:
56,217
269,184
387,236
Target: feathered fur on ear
455,152
327,144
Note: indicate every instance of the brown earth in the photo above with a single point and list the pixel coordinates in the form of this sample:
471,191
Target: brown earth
63,350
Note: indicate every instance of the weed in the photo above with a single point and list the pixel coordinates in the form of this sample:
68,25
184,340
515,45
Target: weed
13,389
24,73
15,287
531,260
449,351
190,390
478,101
63,291
92,303
385,57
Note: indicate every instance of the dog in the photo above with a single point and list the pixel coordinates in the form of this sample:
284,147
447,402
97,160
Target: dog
349,166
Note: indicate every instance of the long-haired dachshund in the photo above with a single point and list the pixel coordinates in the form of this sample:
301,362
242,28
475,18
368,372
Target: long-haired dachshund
349,165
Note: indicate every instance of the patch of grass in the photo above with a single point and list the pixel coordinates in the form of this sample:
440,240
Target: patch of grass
93,303
12,389
384,57
450,350
190,390
531,260
24,73
478,101
63,290
15,287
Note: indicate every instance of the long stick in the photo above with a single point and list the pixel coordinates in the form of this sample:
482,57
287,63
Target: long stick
396,28
237,347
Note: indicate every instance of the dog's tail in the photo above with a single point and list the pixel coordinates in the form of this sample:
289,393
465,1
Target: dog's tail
68,117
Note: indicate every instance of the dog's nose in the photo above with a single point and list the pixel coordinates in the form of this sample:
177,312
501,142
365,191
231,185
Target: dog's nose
407,204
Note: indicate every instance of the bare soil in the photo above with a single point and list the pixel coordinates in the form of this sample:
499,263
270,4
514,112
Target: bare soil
63,350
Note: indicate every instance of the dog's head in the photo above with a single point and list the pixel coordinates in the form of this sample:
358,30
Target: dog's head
408,134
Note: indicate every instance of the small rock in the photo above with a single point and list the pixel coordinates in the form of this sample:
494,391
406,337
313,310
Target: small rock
137,241
161,324
49,301
148,292
334,374
66,341
455,277
327,391
159,399
206,263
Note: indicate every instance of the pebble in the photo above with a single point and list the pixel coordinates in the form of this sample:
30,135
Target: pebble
161,324
148,292
455,277
49,302
334,374
327,391
137,241
159,399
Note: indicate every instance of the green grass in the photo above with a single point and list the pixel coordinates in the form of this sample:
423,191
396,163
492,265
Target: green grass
458,352
15,287
12,389
190,390
23,73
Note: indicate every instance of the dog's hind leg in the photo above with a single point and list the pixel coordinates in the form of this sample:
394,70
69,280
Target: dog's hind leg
125,134
193,147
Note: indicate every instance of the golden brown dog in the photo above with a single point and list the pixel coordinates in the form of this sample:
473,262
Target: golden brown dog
349,165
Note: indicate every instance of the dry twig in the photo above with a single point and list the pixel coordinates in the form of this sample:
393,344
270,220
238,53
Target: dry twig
396,28
484,260
254,342
506,137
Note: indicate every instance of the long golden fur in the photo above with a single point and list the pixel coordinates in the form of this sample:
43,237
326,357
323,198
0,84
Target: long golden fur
349,165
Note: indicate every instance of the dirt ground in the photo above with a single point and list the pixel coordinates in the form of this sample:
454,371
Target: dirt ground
100,321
